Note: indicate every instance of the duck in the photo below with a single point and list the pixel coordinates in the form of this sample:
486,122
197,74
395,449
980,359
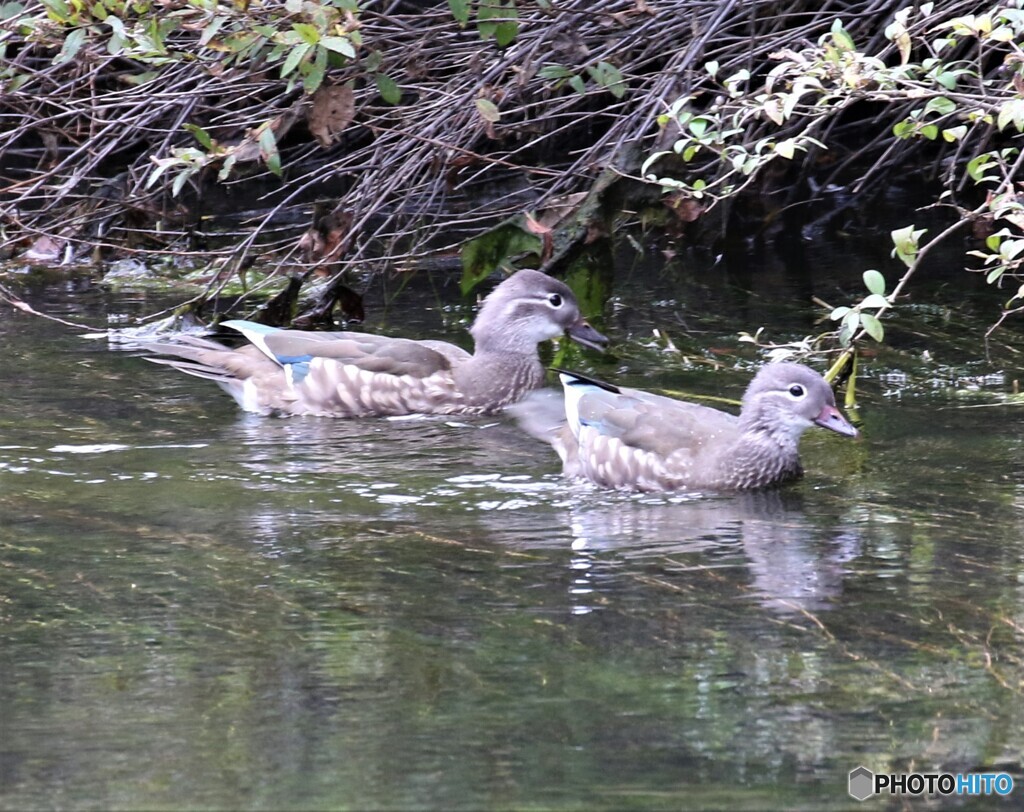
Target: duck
352,374
629,439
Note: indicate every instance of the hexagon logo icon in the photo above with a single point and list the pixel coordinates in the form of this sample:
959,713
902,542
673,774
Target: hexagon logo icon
862,783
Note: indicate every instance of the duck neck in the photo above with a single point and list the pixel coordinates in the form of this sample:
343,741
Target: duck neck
498,377
761,458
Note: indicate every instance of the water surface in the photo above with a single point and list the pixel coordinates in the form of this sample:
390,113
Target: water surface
205,609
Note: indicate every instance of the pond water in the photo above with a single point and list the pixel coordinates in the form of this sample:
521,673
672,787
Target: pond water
204,609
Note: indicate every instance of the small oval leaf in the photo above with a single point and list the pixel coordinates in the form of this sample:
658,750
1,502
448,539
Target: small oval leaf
874,282
872,326
488,110
874,300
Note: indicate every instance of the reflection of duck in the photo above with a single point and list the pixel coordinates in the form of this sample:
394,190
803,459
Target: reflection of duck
345,374
626,438
792,565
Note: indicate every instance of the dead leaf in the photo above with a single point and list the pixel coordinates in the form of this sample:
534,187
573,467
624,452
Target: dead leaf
248,147
333,109
542,231
559,208
685,208
44,249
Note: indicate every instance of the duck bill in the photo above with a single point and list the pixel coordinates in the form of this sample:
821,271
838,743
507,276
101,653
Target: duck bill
583,333
832,419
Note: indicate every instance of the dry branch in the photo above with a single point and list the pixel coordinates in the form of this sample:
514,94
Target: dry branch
478,135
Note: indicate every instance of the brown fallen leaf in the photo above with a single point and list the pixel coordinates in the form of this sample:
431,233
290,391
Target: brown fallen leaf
685,208
333,109
542,231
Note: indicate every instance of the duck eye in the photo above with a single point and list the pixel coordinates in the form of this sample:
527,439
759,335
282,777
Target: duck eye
796,390
555,300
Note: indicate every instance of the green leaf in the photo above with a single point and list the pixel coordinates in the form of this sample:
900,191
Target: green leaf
488,110
16,83
201,135
8,11
839,313
315,75
873,326
268,151
952,134
930,131
979,165
309,33
699,126
295,56
211,30
161,166
608,76
483,255
1011,249
340,45
874,301
181,180
577,84
1011,112
57,10
995,274
229,164
874,282
786,148
506,32
849,326
72,43
460,11
906,242
903,129
388,88
289,38
941,105
554,72
841,37
495,19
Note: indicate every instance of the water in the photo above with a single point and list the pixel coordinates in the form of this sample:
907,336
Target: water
204,609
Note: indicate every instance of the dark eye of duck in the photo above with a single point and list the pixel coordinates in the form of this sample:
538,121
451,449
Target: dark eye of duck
796,391
555,300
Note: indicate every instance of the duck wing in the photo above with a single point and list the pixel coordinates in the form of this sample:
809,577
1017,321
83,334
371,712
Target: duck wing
652,423
372,353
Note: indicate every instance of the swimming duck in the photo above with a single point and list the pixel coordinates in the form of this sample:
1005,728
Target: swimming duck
635,440
350,374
